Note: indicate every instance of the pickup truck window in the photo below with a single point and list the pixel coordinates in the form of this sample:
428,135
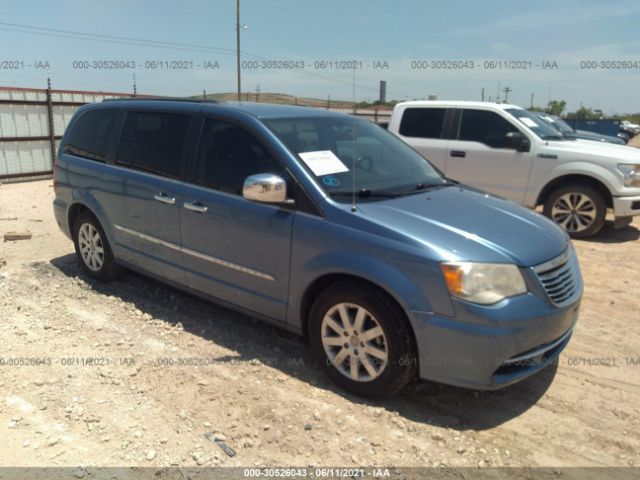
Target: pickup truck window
153,142
89,137
228,154
422,122
485,127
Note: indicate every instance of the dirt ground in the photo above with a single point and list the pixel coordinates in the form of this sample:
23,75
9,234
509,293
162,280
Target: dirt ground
257,390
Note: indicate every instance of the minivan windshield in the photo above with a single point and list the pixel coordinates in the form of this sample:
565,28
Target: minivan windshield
559,124
537,125
343,152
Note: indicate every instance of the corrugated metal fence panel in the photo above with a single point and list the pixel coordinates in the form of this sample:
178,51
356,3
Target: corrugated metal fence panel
23,121
30,95
24,157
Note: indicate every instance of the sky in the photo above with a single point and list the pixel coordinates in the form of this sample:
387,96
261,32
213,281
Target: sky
550,42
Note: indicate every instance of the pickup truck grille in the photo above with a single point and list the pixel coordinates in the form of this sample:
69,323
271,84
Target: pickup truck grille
560,277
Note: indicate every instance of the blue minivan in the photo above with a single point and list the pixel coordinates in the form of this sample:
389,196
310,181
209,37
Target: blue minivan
325,225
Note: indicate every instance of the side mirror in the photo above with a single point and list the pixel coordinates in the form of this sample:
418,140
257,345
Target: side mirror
517,141
265,188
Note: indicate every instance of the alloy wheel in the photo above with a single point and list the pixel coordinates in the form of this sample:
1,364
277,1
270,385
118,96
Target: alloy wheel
354,342
575,212
91,247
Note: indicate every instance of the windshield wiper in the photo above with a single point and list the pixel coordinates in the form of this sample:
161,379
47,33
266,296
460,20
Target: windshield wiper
366,193
422,187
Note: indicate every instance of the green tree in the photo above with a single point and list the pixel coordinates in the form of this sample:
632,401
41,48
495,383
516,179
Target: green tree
556,107
584,113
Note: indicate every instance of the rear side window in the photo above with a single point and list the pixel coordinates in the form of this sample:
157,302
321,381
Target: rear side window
422,122
153,142
485,127
90,134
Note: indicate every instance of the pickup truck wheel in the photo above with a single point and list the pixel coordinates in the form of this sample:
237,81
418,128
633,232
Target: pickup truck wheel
92,248
362,340
579,209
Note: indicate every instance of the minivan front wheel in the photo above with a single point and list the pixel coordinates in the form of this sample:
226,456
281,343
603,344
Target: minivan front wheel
579,209
92,248
362,340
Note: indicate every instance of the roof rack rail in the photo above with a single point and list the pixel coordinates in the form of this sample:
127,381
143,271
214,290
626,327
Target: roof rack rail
161,99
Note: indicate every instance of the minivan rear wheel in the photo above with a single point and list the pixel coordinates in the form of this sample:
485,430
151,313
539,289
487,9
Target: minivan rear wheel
362,339
92,248
579,209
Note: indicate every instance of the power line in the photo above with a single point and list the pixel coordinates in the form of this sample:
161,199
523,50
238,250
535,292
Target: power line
116,39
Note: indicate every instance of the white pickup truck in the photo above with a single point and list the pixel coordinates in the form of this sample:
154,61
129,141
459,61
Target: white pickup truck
509,151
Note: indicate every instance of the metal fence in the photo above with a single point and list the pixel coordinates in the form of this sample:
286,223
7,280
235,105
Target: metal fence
31,124
603,126
373,114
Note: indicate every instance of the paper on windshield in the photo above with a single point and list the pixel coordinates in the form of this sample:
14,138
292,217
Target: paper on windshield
528,122
323,162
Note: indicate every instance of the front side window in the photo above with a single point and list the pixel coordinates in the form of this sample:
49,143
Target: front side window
90,134
153,142
342,152
228,154
422,122
486,127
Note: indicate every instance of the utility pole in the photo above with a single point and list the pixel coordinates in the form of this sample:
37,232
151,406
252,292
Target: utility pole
135,87
204,94
238,47
531,103
506,94
257,93
482,94
354,88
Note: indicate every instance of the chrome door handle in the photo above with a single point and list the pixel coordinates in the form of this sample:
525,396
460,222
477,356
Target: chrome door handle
164,198
195,206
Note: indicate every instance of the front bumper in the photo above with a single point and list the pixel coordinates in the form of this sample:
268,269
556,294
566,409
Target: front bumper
626,206
487,348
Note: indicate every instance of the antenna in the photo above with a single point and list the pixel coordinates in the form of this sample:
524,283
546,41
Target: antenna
353,148
353,172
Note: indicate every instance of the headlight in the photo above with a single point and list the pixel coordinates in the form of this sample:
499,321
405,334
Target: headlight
483,283
631,174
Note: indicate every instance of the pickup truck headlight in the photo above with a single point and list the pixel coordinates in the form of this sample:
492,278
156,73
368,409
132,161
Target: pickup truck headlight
483,283
631,174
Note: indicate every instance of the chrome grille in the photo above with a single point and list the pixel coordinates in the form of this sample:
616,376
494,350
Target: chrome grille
560,277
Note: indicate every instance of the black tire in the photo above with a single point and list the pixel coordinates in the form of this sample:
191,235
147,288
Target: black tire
401,364
107,269
583,222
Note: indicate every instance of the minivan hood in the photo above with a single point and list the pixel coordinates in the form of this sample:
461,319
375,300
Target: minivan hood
461,223
588,149
587,135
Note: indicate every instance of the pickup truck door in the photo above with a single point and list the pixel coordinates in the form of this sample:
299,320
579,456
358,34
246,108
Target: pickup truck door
478,156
